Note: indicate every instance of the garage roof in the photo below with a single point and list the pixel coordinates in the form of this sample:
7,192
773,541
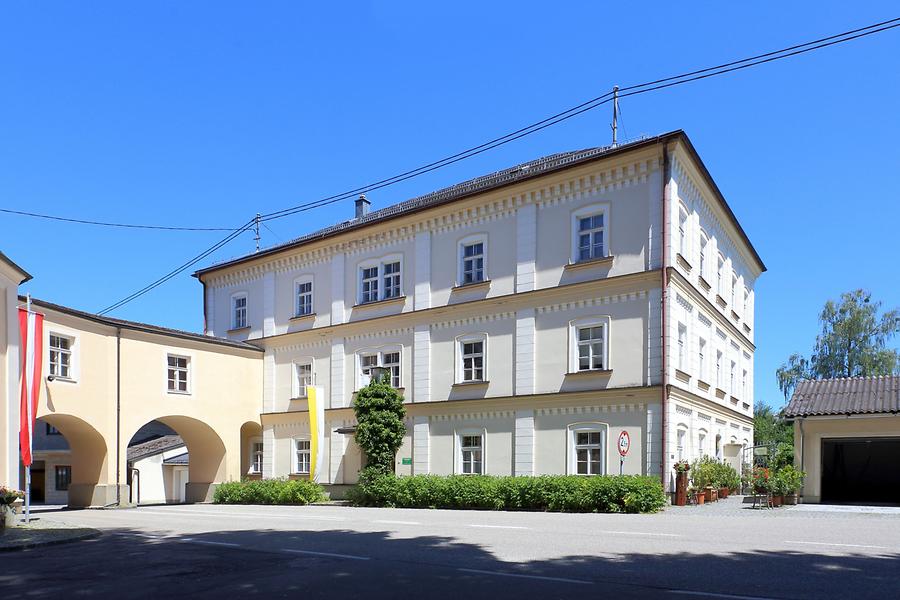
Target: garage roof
845,396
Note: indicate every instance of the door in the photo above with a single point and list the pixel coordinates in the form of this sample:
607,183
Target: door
861,470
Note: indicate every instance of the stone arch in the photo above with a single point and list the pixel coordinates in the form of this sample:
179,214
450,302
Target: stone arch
93,478
251,432
206,455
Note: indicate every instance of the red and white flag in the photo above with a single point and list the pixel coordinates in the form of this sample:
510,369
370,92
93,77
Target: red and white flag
31,326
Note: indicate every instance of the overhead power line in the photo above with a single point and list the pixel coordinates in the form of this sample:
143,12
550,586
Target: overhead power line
108,224
559,117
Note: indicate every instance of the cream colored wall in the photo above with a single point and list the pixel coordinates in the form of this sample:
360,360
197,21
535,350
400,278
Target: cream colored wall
9,378
497,440
388,341
225,392
499,360
285,301
817,429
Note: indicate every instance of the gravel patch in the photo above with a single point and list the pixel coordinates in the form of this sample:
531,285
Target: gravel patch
41,532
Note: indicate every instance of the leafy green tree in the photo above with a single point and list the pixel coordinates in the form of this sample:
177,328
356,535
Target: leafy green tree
853,343
379,433
769,428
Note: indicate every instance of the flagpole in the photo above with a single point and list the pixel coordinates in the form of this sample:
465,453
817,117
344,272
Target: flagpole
28,413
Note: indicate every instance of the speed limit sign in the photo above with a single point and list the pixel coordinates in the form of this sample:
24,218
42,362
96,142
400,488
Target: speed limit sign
624,443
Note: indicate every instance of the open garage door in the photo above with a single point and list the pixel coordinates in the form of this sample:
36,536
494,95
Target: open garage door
861,470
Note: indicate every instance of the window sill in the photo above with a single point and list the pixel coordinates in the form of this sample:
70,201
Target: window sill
703,385
681,260
746,328
590,372
385,302
298,476
720,393
177,393
703,283
735,316
486,283
721,301
606,261
238,329
305,317
682,376
63,379
734,400
463,384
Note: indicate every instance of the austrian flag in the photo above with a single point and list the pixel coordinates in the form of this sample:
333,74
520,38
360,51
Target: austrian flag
31,326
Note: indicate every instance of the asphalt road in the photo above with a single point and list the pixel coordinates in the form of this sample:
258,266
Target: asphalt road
342,552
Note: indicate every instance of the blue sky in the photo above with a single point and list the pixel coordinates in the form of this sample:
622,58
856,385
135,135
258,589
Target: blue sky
206,113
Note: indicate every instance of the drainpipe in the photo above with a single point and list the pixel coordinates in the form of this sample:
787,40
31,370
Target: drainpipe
665,284
118,413
205,321
802,447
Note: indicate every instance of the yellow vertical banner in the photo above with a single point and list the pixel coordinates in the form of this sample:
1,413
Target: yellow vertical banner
315,394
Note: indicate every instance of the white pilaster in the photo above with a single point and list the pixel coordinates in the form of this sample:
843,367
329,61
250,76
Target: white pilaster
420,446
422,297
526,247
525,352
654,439
268,470
337,448
337,372
209,325
268,304
337,288
269,372
421,364
524,444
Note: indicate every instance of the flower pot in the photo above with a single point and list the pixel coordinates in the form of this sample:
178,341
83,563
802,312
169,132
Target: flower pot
777,500
712,494
790,499
699,498
723,493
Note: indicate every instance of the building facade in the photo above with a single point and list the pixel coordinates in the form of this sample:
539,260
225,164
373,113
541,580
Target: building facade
11,277
529,318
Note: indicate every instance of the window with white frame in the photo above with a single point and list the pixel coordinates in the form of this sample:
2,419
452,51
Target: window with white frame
734,287
704,243
380,280
590,345
471,453
701,355
720,274
303,374
369,360
256,457
239,311
392,279
745,382
682,231
472,352
61,356
701,442
472,262
682,347
719,375
732,374
177,373
590,237
680,438
368,285
304,298
587,449
718,454
302,456
746,313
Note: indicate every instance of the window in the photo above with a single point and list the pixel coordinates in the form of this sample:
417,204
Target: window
372,359
719,374
472,263
60,356
682,343
704,241
51,430
471,454
303,373
702,358
369,285
63,477
720,273
679,443
392,280
701,443
588,449
302,454
472,360
591,342
718,447
256,457
590,237
732,374
746,303
682,231
178,374
239,312
734,287
745,394
304,298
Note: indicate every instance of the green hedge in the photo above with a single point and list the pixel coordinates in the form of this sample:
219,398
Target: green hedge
563,493
269,491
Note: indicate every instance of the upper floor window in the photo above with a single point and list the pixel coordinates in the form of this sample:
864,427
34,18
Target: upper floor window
701,442
720,274
745,382
60,356
256,457
472,353
732,374
587,449
590,346
239,311
471,457
734,287
682,347
590,238
369,361
303,374
681,436
746,303
701,355
682,231
380,280
302,455
472,263
177,380
704,249
304,298
719,375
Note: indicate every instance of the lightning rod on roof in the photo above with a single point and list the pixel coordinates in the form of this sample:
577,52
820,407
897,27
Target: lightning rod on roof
615,121
256,220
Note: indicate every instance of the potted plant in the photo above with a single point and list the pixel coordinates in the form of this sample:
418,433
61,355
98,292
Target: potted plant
779,488
681,478
697,497
8,497
792,481
761,480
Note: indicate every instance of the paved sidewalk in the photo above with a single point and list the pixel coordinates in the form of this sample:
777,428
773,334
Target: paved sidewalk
43,532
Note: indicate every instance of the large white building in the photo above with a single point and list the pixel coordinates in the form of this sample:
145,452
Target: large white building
529,317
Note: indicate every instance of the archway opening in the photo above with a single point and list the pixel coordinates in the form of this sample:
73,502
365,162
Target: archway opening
252,455
174,459
70,463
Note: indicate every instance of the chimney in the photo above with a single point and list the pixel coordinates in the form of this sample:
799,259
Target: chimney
362,206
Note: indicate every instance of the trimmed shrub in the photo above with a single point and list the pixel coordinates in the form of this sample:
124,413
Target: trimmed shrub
269,491
558,493
379,431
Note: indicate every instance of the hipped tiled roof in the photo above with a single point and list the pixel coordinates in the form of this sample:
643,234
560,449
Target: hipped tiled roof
845,396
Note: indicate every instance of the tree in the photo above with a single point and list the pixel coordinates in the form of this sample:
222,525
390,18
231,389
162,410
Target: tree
379,432
853,343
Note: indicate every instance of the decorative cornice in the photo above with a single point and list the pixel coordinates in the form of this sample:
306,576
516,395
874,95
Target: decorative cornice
380,334
612,299
473,320
586,410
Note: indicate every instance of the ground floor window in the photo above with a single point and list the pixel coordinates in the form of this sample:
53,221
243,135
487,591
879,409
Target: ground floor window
471,454
587,449
63,477
302,455
256,457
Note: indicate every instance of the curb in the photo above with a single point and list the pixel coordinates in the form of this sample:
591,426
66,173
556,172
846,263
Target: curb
78,538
